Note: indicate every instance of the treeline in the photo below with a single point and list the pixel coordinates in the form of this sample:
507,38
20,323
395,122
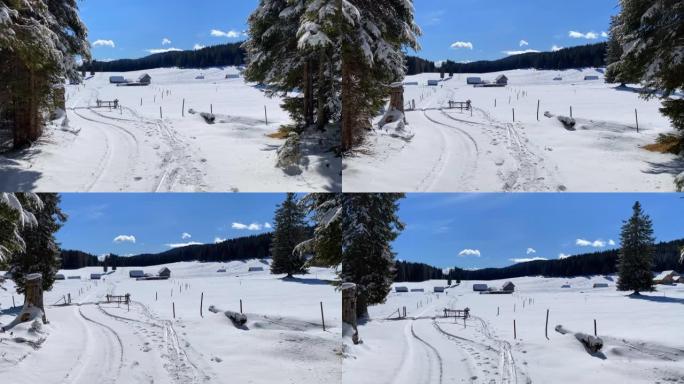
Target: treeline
666,257
243,248
230,54
593,55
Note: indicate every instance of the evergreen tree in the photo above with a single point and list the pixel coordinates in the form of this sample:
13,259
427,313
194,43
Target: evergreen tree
369,225
39,40
289,231
326,244
41,252
373,38
650,34
15,216
636,255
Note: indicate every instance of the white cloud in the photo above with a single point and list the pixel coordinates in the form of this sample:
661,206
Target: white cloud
470,252
104,43
249,227
462,44
124,239
197,47
604,35
439,63
531,250
611,242
267,225
588,243
580,35
526,259
524,43
232,34
162,50
166,41
219,240
563,256
185,235
181,245
556,48
511,53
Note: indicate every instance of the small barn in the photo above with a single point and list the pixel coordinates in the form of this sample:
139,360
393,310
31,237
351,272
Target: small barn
480,287
600,285
502,80
59,276
433,83
401,289
591,77
117,80
557,78
255,269
74,277
136,273
410,83
417,290
164,272
508,287
438,289
566,286
233,76
221,270
666,277
200,77
95,276
474,80
145,79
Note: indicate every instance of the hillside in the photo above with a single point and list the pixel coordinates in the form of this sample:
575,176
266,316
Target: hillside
597,263
585,56
215,56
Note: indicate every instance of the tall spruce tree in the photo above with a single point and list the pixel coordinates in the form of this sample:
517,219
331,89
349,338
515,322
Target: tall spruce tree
41,252
326,244
650,35
39,40
636,256
373,37
369,225
289,231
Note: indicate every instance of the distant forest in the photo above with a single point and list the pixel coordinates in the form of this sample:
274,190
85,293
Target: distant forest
215,56
597,263
243,248
593,55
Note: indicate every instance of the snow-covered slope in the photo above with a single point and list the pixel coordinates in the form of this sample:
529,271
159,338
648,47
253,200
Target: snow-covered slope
138,149
454,151
110,343
641,335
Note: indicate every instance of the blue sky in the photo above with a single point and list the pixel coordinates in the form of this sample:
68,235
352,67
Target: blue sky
126,224
491,29
491,230
135,28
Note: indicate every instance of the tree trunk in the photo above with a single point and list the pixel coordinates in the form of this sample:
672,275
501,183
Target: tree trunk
322,114
349,309
347,120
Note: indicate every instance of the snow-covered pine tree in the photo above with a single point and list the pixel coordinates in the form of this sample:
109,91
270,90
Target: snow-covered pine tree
13,218
651,36
373,38
369,225
289,231
326,244
41,253
636,256
38,42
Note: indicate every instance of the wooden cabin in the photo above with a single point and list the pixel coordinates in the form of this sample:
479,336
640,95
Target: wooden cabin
502,80
473,80
401,289
136,273
508,287
164,272
480,287
666,277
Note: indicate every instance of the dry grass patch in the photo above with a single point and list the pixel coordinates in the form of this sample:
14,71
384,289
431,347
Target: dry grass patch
666,144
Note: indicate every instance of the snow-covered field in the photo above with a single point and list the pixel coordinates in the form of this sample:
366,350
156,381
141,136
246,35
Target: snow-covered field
95,342
452,151
642,337
136,149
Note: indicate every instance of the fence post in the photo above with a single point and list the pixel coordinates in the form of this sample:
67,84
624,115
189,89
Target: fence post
174,310
546,330
636,116
161,116
141,101
514,115
494,103
265,115
211,108
571,111
156,296
538,104
595,333
201,304
240,305
322,317
515,333
497,311
183,109
13,305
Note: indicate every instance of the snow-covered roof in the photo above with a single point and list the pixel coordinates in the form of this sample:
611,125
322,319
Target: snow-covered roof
665,274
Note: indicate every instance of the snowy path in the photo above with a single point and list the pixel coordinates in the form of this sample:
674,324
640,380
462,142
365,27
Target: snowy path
153,143
488,150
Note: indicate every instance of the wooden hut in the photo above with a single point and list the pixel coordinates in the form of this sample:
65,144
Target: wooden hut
164,272
508,287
